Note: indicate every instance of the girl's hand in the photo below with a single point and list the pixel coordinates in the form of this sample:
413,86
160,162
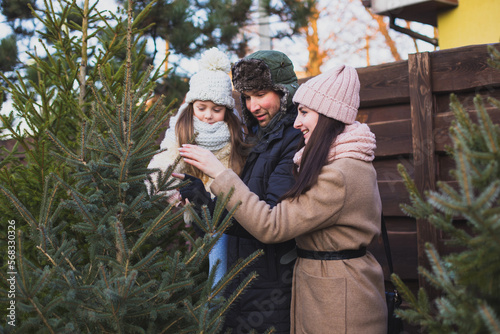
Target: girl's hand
202,159
194,191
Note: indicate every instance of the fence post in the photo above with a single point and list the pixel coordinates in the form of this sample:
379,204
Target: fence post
422,112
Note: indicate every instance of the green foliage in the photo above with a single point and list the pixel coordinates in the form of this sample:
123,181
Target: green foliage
190,27
468,281
495,57
99,262
295,12
8,53
18,9
53,96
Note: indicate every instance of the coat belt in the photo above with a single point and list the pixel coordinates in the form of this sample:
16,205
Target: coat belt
325,255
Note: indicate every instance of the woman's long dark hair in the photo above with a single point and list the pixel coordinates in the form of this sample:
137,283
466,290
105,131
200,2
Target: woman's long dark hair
184,129
315,155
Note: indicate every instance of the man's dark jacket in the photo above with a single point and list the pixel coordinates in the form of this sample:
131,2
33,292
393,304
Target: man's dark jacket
268,173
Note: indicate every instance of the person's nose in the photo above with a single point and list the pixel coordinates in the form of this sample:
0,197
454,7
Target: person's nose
297,124
253,105
208,115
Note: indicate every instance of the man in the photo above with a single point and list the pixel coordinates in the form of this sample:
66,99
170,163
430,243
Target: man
267,82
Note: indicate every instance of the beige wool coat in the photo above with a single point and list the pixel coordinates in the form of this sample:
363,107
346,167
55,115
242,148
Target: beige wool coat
341,211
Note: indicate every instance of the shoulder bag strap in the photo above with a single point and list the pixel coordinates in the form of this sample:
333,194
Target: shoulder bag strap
386,244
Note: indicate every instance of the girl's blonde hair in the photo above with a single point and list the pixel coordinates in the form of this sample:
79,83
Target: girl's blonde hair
184,129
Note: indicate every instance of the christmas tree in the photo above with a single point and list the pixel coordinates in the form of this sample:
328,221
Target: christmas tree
104,254
467,282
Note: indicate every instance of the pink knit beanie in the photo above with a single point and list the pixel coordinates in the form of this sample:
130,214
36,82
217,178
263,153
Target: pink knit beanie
334,94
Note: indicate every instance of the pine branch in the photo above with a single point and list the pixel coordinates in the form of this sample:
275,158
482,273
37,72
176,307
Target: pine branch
61,146
83,140
488,129
139,92
47,202
21,209
127,94
494,60
488,197
105,83
121,243
134,206
83,210
10,154
149,135
239,290
463,170
99,109
165,113
100,150
156,226
37,307
419,208
233,272
146,263
124,164
489,317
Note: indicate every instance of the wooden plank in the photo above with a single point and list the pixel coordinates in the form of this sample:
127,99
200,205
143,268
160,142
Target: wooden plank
384,84
423,144
384,113
459,69
442,101
445,164
403,241
393,138
393,193
387,168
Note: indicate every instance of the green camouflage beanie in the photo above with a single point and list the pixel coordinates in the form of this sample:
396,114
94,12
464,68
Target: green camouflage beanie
265,70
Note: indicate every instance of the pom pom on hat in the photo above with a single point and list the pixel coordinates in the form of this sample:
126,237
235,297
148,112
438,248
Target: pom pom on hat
334,94
214,60
212,82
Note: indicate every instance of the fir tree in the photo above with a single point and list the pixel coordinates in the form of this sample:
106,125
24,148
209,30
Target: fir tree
468,281
51,94
100,263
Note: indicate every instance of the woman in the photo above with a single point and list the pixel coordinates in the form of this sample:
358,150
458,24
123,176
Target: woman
332,211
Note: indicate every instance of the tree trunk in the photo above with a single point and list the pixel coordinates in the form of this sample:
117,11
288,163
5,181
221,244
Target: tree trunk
83,64
382,25
316,56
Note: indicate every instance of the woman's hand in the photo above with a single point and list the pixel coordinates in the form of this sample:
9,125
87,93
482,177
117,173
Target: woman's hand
202,159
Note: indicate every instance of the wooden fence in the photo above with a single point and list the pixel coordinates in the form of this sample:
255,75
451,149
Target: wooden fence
406,105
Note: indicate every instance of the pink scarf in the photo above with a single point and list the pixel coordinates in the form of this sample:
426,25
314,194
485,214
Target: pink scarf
356,142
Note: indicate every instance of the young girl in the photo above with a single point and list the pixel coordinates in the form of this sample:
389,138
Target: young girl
209,113
333,211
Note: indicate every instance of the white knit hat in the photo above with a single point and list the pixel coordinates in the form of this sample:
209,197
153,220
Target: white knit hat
212,82
334,94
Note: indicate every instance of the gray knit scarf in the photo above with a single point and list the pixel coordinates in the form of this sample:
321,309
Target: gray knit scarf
211,136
